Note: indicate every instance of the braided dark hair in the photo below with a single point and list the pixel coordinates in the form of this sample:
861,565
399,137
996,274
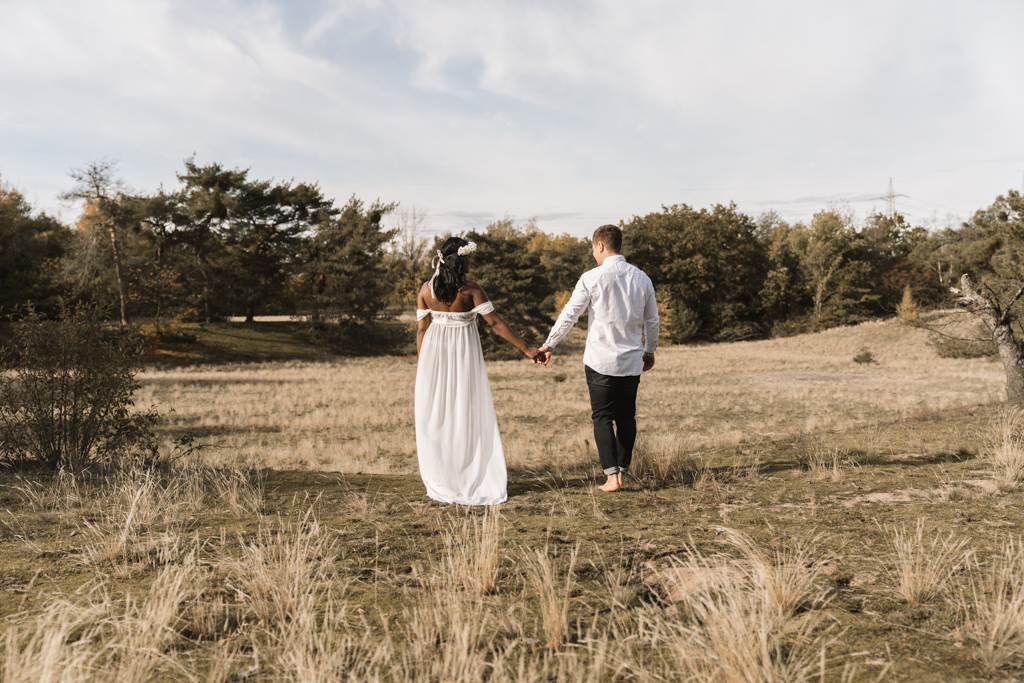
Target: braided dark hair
452,272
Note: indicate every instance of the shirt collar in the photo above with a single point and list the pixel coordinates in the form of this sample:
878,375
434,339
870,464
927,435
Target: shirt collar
616,257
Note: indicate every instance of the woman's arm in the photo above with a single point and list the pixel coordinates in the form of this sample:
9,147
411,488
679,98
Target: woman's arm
421,325
499,325
508,334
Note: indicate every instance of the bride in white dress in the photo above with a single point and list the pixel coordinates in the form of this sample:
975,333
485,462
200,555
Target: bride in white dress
457,440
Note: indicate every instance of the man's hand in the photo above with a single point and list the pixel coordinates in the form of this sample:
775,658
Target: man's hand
543,356
648,361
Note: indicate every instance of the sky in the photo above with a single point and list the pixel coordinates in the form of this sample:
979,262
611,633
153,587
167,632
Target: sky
573,113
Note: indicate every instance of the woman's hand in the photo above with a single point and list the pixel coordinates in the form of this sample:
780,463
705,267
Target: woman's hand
532,353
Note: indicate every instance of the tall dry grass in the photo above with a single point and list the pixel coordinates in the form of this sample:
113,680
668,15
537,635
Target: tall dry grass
553,589
663,459
62,492
95,637
275,607
620,581
992,607
784,574
733,619
1006,446
283,570
924,564
824,463
472,557
137,512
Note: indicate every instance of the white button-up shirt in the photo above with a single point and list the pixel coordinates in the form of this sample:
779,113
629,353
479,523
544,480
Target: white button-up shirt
620,300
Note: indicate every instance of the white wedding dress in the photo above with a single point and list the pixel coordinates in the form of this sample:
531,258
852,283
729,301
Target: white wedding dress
457,439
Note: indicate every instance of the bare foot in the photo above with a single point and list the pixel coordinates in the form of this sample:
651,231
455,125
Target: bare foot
613,483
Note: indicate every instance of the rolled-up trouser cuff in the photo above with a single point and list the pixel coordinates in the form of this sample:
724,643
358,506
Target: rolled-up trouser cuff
616,470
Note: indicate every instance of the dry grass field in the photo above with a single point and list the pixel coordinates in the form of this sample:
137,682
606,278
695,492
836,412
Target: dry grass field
356,415
793,516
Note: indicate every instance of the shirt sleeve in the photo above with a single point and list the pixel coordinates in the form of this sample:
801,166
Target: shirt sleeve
651,321
578,303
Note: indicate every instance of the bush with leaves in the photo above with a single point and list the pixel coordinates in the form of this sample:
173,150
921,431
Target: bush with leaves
66,391
707,265
864,356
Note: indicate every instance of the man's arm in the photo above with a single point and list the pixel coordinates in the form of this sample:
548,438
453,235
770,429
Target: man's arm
651,328
572,311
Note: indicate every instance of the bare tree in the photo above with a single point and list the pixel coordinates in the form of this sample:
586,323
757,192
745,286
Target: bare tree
409,248
106,204
983,302
991,246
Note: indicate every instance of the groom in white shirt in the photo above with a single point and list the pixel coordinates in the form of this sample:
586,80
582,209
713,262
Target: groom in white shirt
622,336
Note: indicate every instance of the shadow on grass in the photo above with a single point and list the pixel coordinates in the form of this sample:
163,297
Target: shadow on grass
226,342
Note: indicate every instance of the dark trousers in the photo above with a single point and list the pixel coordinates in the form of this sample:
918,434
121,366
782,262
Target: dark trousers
613,400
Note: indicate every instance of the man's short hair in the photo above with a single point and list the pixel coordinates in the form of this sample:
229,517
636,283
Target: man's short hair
611,237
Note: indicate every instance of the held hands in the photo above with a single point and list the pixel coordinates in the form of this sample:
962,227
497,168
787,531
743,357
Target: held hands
538,356
543,356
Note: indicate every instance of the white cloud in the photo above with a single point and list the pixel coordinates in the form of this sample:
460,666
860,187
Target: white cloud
595,110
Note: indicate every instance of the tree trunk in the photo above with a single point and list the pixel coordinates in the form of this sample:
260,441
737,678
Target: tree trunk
205,272
159,280
252,299
121,286
998,322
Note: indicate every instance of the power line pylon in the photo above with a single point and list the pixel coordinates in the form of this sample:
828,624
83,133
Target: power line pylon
890,201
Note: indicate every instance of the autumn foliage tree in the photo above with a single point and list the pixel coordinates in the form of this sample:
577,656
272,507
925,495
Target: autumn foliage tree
108,208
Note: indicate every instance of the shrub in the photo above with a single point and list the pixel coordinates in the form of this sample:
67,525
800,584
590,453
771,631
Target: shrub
864,356
66,391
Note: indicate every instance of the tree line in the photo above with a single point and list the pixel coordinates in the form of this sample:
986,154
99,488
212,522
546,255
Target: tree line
222,243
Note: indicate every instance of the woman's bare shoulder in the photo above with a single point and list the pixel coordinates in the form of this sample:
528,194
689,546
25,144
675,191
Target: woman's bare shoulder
474,291
423,296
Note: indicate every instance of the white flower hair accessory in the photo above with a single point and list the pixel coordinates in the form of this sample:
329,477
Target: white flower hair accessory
468,249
